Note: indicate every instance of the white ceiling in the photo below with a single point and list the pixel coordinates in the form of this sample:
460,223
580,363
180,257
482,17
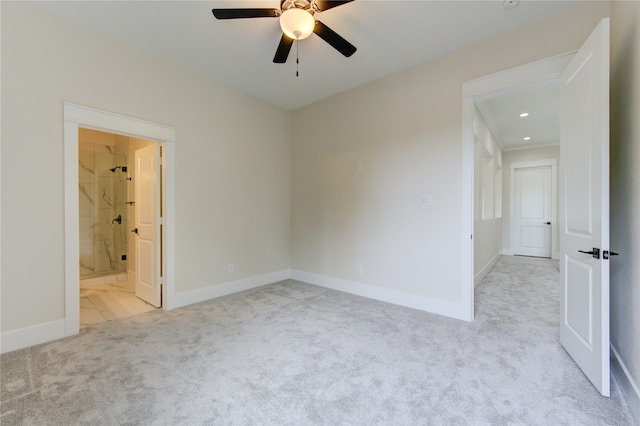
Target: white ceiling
390,36
542,125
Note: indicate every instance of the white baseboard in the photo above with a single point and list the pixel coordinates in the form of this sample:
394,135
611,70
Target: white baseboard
440,307
186,298
509,252
42,333
34,335
485,270
47,332
629,388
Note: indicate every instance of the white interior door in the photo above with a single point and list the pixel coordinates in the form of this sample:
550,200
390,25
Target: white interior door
532,211
584,152
147,223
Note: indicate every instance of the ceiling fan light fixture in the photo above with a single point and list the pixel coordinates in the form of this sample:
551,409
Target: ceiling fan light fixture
297,23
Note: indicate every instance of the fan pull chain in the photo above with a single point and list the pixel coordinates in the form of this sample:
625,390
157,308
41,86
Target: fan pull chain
297,57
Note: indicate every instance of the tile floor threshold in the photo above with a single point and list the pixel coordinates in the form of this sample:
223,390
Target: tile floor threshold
110,302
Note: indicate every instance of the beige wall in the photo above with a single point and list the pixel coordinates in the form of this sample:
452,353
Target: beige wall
406,129
509,157
625,196
232,159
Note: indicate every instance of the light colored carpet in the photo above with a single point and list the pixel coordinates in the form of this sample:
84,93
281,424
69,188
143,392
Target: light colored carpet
292,353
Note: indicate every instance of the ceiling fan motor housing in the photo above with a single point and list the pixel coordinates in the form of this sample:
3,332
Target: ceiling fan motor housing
299,4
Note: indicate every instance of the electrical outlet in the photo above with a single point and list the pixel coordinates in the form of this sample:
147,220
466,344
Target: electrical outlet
230,268
360,167
425,200
360,269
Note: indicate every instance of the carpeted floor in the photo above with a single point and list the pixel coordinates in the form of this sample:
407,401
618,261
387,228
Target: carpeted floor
292,353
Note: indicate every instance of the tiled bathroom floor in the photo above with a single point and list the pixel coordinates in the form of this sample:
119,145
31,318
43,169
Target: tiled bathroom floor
109,302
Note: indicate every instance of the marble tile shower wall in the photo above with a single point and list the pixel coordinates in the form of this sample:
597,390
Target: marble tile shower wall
102,197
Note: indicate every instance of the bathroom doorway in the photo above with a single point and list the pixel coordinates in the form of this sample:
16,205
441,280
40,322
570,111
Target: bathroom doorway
162,137
107,210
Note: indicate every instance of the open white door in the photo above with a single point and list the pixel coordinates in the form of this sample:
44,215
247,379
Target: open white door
147,224
584,245
532,214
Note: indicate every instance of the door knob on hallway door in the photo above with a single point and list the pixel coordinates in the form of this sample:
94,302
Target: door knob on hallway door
547,223
134,230
595,252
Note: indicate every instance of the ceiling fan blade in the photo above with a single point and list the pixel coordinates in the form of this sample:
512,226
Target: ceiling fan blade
245,13
334,39
329,4
283,50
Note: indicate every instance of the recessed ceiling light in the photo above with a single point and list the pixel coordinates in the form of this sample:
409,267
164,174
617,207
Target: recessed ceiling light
524,114
527,138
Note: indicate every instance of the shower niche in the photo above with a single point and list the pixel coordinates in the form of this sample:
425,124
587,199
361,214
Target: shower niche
103,186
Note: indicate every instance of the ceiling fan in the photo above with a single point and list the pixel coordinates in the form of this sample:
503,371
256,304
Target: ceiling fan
297,22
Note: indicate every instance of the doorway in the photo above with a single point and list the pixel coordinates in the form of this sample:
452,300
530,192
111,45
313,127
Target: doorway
584,118
111,198
538,74
77,117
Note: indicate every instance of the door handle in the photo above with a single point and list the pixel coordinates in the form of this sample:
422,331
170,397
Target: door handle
595,252
547,223
134,230
606,254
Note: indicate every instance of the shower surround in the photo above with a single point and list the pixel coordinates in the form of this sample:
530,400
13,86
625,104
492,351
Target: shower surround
102,197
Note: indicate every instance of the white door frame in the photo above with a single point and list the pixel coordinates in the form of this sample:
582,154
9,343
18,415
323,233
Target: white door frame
536,74
76,116
548,162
